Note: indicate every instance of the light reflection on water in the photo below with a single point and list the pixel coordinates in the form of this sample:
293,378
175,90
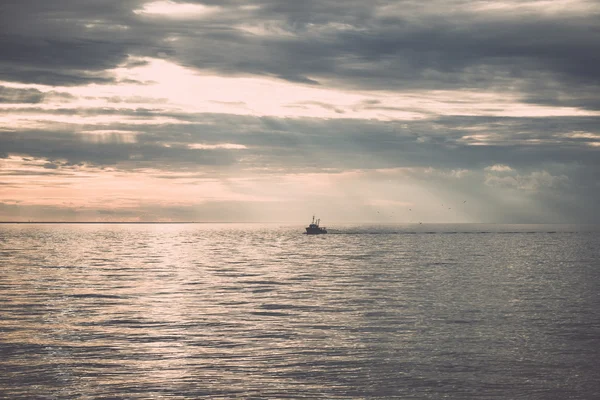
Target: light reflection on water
188,311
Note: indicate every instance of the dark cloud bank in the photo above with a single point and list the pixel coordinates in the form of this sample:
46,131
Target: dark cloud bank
374,45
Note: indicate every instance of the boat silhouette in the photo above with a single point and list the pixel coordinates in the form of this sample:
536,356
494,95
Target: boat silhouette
314,228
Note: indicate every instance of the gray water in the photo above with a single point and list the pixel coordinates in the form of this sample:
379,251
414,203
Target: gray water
249,311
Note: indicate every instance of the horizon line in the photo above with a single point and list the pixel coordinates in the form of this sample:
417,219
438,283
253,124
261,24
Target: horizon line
288,222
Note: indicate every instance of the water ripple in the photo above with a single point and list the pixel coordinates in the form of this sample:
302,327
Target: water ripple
225,311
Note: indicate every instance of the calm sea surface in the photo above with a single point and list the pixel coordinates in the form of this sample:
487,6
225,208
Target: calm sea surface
248,311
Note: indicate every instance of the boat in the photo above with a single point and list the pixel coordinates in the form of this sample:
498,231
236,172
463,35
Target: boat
314,228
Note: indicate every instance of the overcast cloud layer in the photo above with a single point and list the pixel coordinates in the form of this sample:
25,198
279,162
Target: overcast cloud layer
380,111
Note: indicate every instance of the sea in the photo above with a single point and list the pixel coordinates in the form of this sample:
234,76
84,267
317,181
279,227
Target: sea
255,311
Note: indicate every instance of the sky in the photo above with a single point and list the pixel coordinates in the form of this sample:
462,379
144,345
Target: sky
274,110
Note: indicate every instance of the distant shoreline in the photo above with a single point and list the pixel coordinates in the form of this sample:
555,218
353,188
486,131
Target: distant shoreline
131,222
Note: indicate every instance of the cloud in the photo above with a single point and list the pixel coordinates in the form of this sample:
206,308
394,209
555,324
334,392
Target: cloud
65,61
108,149
229,146
495,101
534,181
499,168
32,96
171,9
291,142
388,44
10,95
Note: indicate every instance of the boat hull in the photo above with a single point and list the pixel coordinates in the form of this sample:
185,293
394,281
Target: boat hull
315,231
